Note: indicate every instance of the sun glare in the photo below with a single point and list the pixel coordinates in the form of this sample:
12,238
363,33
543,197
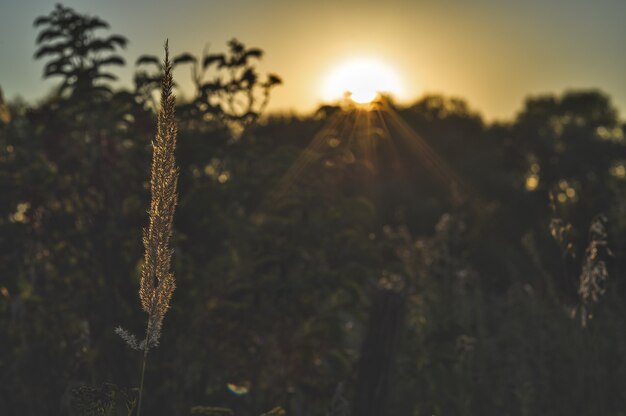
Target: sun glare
363,79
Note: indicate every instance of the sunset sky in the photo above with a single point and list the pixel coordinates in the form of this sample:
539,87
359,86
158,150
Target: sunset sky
492,52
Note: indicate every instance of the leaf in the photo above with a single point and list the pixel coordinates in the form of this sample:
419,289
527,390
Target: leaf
273,79
121,41
148,59
98,45
67,21
208,60
249,76
112,60
254,53
142,78
235,46
105,75
183,59
42,20
49,72
50,49
47,34
102,89
93,23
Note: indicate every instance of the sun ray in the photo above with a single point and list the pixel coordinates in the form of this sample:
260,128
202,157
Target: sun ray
354,128
308,156
386,132
421,148
347,132
369,143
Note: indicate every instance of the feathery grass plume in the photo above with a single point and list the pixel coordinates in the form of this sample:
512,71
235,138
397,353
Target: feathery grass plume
594,271
157,281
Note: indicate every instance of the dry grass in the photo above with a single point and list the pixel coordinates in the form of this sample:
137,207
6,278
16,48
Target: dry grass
157,281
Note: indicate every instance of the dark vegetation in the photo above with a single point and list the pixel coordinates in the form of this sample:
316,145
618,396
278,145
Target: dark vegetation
425,264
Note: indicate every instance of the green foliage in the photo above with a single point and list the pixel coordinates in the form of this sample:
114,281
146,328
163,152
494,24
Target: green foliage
106,400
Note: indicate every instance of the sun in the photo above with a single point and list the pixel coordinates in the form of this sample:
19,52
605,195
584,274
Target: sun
362,79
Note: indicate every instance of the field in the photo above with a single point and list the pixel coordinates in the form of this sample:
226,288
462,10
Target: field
205,256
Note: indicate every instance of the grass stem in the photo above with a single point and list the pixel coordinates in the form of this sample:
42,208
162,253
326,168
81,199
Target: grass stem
143,372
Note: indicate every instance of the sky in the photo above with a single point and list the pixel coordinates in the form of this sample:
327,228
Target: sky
493,53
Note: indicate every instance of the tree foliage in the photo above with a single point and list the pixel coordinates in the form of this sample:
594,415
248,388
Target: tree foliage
75,53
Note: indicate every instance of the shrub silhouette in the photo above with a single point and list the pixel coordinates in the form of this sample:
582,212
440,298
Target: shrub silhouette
76,54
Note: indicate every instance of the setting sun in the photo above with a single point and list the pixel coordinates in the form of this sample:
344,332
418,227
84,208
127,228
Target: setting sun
362,79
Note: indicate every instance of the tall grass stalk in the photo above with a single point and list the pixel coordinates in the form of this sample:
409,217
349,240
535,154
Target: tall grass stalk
157,281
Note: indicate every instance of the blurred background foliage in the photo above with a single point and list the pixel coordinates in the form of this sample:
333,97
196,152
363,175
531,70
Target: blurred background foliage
381,288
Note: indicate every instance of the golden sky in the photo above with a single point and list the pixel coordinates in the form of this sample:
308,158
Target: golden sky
492,53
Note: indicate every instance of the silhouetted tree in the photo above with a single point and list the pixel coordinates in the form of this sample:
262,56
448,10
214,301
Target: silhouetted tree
227,86
76,53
